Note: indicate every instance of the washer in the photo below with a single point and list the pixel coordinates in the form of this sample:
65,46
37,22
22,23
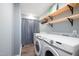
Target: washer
50,50
58,45
37,44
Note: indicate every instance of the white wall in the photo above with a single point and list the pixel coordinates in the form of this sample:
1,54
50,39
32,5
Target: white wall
10,29
17,29
6,28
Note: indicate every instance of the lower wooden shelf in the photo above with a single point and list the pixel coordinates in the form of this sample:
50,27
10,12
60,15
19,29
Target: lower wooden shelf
74,17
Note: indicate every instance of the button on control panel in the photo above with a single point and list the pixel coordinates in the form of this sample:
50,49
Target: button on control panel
51,41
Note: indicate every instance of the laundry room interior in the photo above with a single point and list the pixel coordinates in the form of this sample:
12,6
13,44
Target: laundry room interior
39,29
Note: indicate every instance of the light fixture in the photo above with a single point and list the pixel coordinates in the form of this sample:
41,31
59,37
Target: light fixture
31,16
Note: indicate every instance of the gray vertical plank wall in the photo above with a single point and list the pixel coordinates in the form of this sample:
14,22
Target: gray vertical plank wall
64,27
29,27
24,26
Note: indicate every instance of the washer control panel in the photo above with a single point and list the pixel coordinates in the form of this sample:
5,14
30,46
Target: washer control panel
51,41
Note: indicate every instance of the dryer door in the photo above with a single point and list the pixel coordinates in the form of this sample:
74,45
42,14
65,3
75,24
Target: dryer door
50,51
37,45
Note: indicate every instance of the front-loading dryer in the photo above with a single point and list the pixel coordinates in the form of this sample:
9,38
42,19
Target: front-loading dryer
37,44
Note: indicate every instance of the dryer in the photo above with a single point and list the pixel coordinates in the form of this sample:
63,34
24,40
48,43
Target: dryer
37,44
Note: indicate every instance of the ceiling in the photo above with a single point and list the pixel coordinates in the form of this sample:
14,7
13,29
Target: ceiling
36,9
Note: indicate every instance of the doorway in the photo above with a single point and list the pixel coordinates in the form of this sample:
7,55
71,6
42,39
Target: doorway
28,28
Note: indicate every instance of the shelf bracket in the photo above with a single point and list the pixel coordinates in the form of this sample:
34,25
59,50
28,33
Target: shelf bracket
51,17
44,21
71,21
57,6
51,25
71,8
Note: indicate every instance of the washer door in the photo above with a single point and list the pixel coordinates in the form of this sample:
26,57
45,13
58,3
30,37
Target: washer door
37,45
50,51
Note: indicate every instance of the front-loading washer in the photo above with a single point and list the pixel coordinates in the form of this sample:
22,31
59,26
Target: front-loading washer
57,45
37,44
50,50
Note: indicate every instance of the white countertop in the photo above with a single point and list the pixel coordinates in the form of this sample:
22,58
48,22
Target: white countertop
60,38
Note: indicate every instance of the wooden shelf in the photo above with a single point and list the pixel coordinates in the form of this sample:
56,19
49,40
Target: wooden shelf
60,11
74,17
64,9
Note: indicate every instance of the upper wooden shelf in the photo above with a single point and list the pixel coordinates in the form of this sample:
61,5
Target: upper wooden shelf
60,11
